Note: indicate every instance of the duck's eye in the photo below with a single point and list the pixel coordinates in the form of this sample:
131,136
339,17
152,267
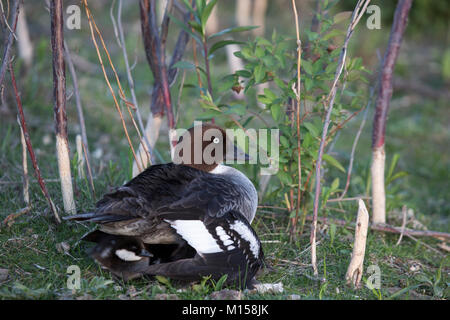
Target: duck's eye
216,140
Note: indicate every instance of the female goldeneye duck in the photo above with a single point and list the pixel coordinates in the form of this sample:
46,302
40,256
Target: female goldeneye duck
196,202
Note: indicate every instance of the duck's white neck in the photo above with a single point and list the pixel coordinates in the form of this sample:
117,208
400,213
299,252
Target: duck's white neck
221,169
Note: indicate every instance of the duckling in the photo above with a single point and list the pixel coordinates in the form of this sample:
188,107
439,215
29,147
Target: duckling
199,203
122,255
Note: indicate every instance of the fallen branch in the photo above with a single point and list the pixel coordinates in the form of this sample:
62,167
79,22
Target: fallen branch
30,148
355,268
9,220
376,227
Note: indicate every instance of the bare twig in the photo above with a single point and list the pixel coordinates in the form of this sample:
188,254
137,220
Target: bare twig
404,211
164,77
80,157
9,220
26,183
382,108
348,199
297,95
92,25
356,16
59,98
91,179
79,106
30,148
76,91
7,51
147,147
355,143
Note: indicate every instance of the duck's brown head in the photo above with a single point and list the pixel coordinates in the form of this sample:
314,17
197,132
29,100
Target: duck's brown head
206,146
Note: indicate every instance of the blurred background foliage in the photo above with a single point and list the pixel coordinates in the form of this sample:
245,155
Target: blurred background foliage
418,126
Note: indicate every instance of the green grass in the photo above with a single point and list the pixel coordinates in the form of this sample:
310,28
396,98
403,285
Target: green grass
38,270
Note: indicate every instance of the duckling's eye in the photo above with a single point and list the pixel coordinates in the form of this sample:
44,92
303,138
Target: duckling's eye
216,140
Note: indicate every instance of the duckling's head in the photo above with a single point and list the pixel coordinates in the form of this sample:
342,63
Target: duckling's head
123,248
206,146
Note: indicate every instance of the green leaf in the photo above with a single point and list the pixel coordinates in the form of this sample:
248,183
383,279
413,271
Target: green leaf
185,28
275,109
284,141
308,84
311,128
197,27
163,280
269,94
396,176
232,30
183,65
264,99
221,44
393,165
207,12
333,33
332,161
307,67
188,5
259,73
238,109
402,291
335,184
220,282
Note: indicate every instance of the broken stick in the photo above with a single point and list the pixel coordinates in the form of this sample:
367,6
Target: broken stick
355,268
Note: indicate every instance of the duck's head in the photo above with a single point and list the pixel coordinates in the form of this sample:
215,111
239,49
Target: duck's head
131,250
125,249
206,146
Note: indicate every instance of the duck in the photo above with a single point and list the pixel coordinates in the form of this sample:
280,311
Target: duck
202,206
123,256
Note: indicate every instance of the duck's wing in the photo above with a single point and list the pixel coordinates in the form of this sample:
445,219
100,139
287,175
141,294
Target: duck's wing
138,198
122,204
224,245
210,195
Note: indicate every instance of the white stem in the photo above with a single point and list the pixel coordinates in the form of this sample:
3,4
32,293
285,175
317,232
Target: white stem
355,268
26,194
259,17
243,8
80,157
62,152
378,193
23,38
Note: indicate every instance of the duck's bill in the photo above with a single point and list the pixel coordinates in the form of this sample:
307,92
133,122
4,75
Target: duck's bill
145,253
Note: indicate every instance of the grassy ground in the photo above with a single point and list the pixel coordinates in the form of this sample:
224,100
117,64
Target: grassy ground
31,250
417,130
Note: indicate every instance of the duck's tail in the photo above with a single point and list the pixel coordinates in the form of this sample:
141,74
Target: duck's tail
95,217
